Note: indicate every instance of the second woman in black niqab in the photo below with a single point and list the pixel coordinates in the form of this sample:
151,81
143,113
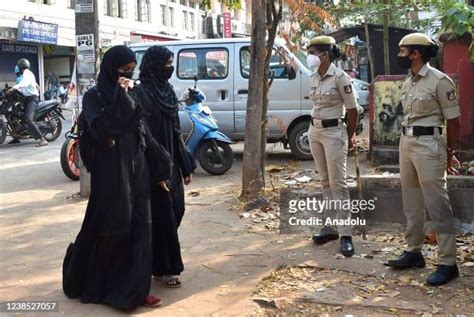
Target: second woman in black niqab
110,260
157,96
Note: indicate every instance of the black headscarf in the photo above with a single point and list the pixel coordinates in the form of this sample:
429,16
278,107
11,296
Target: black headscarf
152,77
114,58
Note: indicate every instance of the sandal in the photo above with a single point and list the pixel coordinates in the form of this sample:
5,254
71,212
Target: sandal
171,281
152,301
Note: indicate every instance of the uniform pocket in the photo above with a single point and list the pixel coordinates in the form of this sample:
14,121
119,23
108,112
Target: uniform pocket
424,103
428,147
330,97
442,148
344,137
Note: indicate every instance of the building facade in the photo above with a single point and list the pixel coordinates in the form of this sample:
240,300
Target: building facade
44,30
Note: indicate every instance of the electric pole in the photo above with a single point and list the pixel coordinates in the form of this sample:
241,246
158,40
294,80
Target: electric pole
87,62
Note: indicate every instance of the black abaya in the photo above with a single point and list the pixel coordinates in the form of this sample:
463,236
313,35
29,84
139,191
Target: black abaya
111,259
167,207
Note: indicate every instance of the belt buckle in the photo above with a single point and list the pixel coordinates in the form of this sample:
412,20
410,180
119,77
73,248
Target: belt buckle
318,123
409,131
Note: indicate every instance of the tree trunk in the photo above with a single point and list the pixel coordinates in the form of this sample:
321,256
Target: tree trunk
386,39
252,173
369,51
273,17
265,18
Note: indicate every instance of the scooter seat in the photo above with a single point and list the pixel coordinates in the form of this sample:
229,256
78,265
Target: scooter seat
47,103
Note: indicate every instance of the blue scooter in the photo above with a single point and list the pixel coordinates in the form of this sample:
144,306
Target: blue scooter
210,146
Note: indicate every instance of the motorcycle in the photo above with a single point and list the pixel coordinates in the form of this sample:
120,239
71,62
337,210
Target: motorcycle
206,142
48,115
70,155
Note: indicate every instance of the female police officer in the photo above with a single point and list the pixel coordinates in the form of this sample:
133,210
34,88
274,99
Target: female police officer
330,138
429,99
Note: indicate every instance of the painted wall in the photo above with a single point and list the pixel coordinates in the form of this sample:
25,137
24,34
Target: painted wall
388,112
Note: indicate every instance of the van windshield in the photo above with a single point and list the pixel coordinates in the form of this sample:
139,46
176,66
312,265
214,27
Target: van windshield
139,57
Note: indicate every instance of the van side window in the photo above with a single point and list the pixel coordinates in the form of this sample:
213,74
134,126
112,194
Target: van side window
205,63
277,64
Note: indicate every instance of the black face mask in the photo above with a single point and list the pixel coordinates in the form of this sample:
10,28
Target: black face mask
125,74
166,72
404,62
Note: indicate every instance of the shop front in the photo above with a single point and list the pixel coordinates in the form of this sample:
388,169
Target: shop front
37,42
10,53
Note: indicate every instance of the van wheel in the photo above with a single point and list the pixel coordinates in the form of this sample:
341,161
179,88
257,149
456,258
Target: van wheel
299,141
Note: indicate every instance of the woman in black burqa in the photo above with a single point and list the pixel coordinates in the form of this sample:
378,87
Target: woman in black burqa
157,96
110,261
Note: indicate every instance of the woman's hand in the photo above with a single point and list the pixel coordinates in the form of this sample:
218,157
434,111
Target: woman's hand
188,179
125,83
352,142
163,186
453,163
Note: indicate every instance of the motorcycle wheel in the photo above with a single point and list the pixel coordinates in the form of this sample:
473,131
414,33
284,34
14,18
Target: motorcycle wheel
3,131
209,159
70,158
50,137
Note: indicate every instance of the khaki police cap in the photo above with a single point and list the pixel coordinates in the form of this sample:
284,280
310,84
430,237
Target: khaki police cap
322,40
416,39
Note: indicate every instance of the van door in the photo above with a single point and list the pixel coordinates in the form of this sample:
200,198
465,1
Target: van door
211,63
284,95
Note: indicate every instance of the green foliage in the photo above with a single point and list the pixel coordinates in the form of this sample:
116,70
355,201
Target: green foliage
231,4
456,17
400,12
452,16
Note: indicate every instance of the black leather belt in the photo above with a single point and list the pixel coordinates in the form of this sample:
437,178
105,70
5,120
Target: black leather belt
327,123
418,131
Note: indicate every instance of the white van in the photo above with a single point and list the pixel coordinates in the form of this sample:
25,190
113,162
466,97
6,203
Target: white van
222,67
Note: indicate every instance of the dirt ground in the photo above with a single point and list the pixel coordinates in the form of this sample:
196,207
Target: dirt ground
236,262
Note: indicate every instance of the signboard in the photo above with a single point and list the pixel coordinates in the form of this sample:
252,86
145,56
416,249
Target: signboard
85,54
84,6
38,32
7,33
18,49
10,53
227,25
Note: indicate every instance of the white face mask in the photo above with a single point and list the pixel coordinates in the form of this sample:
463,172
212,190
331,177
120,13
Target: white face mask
313,61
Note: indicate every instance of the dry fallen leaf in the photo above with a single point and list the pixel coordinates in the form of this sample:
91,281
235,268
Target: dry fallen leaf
405,278
371,287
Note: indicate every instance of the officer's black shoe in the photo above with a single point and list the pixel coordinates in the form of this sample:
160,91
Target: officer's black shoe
408,259
443,275
324,238
347,248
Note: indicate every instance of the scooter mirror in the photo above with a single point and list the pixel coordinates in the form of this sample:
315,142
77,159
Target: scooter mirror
195,80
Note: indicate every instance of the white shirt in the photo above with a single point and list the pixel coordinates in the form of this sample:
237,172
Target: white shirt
27,85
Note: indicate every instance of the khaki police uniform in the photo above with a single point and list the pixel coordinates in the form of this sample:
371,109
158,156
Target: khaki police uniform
428,99
331,94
